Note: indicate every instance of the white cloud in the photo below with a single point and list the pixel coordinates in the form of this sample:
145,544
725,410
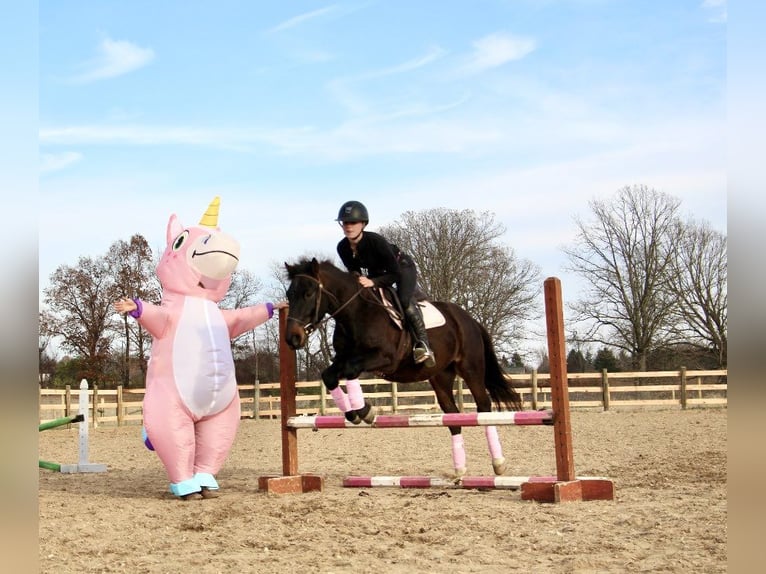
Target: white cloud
433,54
115,58
497,49
345,89
717,10
53,162
301,18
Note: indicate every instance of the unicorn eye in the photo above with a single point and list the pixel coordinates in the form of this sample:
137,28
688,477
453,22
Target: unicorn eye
180,240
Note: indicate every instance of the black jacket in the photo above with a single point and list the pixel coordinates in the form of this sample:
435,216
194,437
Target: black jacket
375,258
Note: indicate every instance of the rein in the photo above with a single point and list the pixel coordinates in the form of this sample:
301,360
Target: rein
311,326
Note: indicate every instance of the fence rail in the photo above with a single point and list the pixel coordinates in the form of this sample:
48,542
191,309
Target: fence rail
604,390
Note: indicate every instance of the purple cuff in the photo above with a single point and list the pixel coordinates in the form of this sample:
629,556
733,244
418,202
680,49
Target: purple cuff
136,313
270,309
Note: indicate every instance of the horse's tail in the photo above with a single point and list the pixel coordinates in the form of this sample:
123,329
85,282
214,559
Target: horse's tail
499,388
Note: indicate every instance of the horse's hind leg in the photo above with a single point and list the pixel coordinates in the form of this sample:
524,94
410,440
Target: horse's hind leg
499,464
484,405
442,385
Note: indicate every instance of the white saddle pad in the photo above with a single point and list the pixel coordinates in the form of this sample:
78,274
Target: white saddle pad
432,317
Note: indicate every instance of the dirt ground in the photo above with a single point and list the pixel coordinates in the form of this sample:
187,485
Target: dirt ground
670,512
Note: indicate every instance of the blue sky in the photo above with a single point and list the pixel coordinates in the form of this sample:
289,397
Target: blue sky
524,108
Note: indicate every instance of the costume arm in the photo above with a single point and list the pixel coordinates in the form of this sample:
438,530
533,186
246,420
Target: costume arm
153,318
242,320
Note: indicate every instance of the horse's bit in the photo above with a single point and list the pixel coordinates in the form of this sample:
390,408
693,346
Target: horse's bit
311,326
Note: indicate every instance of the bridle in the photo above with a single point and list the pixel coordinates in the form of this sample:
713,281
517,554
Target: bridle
312,325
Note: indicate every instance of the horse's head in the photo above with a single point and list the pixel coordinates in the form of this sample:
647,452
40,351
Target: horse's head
307,306
198,260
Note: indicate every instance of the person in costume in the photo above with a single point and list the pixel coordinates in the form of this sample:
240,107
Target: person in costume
191,407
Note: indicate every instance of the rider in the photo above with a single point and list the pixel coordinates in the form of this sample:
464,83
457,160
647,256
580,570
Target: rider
380,263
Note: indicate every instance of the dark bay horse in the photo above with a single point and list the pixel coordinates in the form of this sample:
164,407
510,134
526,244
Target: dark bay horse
367,340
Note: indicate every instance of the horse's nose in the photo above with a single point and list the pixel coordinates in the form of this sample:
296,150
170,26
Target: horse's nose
295,338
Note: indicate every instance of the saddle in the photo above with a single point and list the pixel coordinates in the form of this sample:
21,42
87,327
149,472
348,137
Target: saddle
432,317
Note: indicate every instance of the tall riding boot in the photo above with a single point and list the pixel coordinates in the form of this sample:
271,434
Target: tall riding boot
422,351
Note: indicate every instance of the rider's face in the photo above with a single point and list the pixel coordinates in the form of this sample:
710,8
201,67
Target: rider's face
352,229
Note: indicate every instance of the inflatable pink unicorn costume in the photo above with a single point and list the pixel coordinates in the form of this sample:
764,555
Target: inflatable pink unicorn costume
191,406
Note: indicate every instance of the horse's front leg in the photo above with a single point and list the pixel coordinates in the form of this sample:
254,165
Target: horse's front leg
350,370
331,382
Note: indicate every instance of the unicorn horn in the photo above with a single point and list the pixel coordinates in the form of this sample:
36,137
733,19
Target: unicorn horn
210,219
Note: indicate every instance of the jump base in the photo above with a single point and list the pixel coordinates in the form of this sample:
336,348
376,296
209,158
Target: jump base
568,491
295,484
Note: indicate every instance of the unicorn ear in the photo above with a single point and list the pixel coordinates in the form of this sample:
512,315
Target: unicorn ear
210,219
174,229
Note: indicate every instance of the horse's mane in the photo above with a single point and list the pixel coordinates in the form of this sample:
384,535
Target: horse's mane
305,265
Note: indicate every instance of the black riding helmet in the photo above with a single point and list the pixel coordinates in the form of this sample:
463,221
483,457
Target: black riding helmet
353,211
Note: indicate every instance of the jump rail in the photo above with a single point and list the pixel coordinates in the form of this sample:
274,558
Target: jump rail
427,420
564,487
470,482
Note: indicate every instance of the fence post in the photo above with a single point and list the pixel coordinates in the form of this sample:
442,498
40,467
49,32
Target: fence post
119,406
605,389
322,398
95,405
67,401
394,396
683,387
257,399
534,389
460,400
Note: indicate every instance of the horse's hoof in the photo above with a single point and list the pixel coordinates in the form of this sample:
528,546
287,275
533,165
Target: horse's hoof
499,465
210,492
352,417
191,496
460,472
367,413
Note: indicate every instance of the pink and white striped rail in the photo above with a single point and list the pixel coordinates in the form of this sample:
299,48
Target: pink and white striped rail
488,482
544,417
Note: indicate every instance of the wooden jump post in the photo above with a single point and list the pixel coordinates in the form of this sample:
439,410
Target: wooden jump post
567,486
290,481
564,487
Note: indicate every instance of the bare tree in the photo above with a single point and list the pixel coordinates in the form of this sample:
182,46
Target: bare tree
46,361
79,303
460,260
698,281
132,264
624,256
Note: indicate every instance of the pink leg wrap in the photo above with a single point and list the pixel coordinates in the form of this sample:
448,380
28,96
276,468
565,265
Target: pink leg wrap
458,451
341,399
493,441
355,396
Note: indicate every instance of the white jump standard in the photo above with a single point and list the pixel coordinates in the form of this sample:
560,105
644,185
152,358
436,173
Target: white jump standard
82,418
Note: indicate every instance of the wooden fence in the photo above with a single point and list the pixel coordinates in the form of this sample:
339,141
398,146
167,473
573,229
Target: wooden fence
656,389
